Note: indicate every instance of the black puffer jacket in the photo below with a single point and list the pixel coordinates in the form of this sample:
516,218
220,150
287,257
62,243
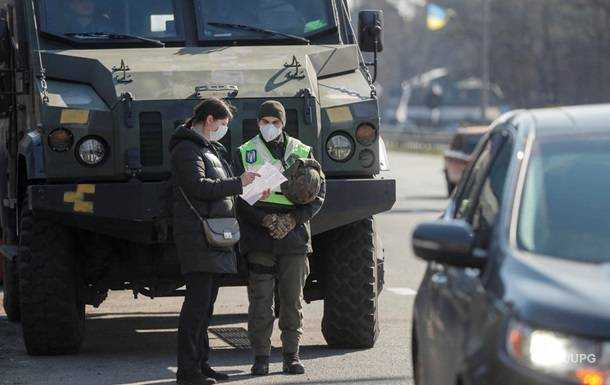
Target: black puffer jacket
200,168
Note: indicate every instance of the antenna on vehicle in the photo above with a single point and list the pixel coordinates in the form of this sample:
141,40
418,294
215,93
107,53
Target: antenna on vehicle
363,65
43,72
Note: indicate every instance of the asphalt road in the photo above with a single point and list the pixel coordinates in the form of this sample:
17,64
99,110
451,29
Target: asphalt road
133,342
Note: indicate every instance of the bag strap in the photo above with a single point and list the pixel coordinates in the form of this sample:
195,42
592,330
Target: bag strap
188,201
229,173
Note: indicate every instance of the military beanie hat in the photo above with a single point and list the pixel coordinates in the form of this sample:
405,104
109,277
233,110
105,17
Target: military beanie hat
274,109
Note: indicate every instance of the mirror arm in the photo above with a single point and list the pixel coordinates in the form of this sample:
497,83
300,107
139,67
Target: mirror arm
374,63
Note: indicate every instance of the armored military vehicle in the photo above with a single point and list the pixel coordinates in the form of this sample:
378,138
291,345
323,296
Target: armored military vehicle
92,91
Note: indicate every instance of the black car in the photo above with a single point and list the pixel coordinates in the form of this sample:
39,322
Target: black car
517,289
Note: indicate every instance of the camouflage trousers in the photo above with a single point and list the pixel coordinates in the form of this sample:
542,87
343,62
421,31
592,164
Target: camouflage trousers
291,272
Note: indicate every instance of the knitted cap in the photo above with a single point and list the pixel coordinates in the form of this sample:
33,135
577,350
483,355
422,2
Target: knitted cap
274,109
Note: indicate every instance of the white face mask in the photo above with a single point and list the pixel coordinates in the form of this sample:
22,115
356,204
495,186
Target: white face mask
270,132
216,136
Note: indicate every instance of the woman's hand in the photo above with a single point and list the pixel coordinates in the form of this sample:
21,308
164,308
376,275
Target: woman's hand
248,177
265,194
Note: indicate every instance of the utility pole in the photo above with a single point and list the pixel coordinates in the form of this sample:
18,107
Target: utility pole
486,59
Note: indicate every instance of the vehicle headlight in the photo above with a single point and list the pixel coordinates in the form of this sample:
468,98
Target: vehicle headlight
60,140
577,359
366,134
340,147
367,158
92,151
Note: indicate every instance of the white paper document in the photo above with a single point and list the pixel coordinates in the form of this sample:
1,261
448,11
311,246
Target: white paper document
270,178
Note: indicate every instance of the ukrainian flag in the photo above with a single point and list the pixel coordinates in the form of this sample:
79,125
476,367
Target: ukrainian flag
437,17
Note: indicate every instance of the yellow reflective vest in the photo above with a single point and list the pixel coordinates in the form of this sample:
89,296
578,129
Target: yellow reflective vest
254,154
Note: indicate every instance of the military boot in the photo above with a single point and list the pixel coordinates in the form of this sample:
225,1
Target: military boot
207,371
193,378
292,364
261,366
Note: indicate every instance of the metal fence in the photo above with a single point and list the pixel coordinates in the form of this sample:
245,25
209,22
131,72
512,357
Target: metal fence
411,140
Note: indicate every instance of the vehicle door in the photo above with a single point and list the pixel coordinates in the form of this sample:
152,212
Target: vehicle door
477,201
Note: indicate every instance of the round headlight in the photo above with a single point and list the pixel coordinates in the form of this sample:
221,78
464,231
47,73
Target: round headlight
92,151
60,140
340,147
367,158
366,134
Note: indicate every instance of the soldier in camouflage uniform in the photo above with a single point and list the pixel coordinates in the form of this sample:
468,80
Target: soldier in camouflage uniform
276,237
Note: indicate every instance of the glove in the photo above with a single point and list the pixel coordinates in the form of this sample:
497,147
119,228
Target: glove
269,221
284,224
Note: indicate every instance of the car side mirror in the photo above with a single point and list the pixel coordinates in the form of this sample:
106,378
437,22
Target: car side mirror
450,243
370,31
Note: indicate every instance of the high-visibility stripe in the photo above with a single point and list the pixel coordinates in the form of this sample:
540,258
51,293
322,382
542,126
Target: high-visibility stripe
254,154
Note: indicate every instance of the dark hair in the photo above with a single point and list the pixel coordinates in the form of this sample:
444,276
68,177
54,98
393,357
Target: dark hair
218,108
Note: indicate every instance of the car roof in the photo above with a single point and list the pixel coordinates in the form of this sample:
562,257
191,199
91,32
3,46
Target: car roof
559,121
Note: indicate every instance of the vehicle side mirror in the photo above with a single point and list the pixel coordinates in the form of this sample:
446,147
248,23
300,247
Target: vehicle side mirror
450,243
370,31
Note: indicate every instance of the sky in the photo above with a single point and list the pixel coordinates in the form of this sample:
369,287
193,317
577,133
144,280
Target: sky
405,7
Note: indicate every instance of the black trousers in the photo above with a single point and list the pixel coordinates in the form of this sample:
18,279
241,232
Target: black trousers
197,309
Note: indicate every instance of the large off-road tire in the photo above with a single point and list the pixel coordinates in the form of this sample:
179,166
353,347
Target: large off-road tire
11,291
52,314
351,285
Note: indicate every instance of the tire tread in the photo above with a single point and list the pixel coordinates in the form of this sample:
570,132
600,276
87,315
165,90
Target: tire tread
52,314
351,285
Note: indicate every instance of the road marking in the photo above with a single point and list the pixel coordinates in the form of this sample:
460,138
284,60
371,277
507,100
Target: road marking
402,291
149,382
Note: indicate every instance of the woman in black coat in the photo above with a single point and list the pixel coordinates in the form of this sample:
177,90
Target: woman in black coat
200,169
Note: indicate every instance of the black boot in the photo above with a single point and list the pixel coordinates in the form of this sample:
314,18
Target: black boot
207,371
193,378
292,364
261,366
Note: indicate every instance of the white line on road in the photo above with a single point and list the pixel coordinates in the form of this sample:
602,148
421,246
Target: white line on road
151,382
402,290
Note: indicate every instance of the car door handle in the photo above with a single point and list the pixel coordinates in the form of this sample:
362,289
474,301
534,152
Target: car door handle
439,278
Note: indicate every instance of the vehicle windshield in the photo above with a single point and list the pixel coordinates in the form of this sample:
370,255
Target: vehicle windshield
153,19
294,17
565,209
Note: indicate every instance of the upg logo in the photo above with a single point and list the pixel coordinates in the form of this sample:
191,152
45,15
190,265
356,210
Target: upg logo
581,358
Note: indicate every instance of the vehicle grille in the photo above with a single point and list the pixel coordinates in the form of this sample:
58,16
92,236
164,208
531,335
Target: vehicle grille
250,126
151,139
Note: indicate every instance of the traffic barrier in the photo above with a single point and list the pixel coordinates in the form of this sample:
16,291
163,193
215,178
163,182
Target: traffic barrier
420,141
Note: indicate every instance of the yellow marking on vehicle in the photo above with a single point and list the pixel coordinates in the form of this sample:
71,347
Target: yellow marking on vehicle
69,116
86,188
340,114
81,205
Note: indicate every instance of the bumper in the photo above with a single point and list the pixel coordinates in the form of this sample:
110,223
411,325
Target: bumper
349,200
504,371
140,210
133,210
